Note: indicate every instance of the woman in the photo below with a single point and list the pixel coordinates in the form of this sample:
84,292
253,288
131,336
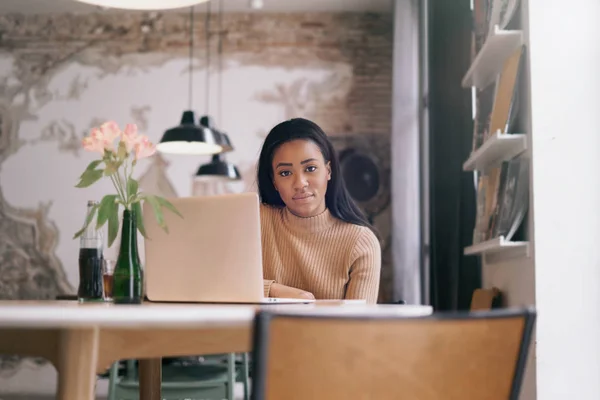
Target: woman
316,242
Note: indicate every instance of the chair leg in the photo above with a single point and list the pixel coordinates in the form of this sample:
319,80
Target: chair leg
230,376
132,370
245,372
113,376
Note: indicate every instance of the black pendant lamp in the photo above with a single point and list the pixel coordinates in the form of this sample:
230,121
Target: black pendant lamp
221,137
187,137
218,168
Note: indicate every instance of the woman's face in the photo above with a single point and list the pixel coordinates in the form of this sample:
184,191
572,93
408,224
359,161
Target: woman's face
300,175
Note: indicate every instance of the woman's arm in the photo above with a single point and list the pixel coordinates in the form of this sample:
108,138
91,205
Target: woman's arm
365,270
267,283
274,289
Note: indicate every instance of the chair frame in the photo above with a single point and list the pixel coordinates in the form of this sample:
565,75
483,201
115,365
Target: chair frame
201,384
264,318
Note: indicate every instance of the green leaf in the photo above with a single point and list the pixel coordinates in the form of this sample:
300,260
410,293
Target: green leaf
91,166
165,203
137,208
113,224
89,177
132,187
107,206
88,219
157,211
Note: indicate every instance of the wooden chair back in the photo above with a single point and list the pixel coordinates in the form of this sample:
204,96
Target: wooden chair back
477,355
485,299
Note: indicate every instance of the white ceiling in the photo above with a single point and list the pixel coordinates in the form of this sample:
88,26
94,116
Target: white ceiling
73,6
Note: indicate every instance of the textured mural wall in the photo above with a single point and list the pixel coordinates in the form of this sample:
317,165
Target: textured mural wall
62,74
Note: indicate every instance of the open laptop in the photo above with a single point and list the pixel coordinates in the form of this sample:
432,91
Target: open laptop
212,255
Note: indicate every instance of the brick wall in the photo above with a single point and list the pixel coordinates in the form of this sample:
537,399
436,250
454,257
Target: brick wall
362,40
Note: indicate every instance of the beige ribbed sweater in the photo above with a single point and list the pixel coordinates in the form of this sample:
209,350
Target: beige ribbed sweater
323,255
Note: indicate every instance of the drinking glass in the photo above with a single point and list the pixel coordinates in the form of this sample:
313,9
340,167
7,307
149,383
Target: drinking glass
108,270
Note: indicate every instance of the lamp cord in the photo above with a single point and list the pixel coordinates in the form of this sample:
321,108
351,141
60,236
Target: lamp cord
207,26
191,72
220,62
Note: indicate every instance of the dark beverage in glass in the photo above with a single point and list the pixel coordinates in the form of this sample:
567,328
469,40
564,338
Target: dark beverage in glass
90,275
108,284
90,262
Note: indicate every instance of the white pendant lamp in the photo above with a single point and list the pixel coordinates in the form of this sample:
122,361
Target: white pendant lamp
143,4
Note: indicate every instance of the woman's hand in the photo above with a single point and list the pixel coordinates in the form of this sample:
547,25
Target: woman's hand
279,290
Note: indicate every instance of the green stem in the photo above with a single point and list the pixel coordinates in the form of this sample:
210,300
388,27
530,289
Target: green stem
119,191
132,167
116,178
128,176
131,174
130,196
123,189
126,186
126,179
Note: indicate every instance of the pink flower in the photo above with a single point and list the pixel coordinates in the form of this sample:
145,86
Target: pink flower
144,148
97,135
102,138
90,143
110,131
130,137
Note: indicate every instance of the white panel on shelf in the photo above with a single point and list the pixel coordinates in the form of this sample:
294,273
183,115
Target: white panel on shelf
497,148
490,59
498,245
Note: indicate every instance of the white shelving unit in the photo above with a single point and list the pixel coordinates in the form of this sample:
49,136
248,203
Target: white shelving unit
497,148
490,59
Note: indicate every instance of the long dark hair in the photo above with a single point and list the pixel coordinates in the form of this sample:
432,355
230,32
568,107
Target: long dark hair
337,198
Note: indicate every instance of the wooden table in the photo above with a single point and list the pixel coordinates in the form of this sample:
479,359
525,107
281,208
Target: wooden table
83,340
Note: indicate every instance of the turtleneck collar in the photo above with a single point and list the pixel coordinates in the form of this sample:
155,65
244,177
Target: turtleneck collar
314,224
